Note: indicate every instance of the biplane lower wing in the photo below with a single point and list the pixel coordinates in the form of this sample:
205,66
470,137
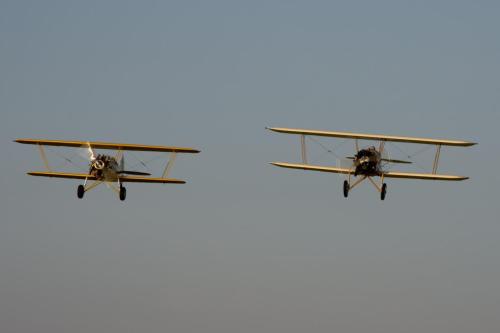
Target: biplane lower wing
65,175
123,179
390,174
313,167
425,176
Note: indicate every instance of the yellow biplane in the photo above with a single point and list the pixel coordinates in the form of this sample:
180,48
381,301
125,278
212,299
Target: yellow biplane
367,162
105,168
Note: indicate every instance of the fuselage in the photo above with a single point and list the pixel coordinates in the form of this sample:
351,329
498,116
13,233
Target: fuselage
367,162
104,167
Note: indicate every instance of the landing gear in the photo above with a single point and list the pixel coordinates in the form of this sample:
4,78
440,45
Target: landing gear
383,191
381,187
346,188
123,193
80,191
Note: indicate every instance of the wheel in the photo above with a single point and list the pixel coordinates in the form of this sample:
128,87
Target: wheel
80,191
383,192
123,193
346,188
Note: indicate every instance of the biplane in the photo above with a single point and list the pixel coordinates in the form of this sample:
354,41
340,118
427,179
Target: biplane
368,162
106,168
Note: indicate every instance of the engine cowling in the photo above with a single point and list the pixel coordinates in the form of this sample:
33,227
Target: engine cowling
98,164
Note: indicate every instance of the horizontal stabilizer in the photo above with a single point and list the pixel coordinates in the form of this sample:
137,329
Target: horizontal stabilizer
396,161
139,179
386,160
136,173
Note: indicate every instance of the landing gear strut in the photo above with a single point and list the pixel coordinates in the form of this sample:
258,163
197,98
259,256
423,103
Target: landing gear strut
346,188
123,193
383,191
80,191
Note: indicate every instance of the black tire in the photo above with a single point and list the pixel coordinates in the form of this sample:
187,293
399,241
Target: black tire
123,193
346,188
80,191
383,192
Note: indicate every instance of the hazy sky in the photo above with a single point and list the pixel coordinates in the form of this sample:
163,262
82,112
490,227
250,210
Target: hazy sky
244,246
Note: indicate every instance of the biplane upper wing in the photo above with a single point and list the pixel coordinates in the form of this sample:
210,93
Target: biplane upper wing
427,176
107,145
314,167
139,179
359,136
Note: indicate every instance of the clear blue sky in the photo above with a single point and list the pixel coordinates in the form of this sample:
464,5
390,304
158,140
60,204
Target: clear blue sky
244,246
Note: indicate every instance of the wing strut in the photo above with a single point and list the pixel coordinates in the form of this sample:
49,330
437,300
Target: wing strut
119,154
303,148
381,147
436,160
169,165
44,157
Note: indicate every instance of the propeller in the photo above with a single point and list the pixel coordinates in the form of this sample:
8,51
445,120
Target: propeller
90,152
96,163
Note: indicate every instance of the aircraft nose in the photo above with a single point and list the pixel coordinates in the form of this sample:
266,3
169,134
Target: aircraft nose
99,164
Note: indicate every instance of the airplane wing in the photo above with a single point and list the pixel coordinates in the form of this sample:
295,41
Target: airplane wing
62,175
138,179
313,167
359,136
426,176
107,145
390,174
124,179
